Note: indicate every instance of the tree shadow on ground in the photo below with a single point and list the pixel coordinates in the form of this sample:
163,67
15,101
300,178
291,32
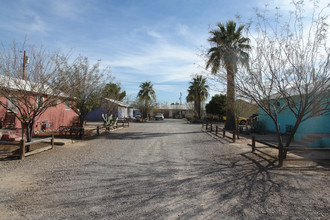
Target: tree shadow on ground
239,186
144,135
313,159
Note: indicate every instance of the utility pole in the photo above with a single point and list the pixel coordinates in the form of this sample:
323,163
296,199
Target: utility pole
180,98
24,61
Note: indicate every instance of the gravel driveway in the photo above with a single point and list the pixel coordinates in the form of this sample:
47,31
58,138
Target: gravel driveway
160,170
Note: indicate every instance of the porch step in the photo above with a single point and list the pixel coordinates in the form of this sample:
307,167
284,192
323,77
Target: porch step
9,120
5,137
8,135
312,138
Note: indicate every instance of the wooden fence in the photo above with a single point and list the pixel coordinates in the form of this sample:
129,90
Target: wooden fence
215,128
88,132
22,145
282,150
83,133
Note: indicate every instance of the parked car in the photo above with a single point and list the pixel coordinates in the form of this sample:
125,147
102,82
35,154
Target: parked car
159,116
138,115
241,120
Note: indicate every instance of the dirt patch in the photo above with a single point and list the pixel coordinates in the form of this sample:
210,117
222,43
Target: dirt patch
14,184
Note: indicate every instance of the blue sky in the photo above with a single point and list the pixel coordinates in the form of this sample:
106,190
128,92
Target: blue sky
142,40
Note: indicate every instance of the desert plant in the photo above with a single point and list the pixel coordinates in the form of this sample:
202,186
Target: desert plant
107,119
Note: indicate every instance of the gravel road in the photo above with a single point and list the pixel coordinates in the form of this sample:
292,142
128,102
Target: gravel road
160,170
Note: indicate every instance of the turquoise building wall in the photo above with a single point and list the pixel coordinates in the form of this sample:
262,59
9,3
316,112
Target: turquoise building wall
319,125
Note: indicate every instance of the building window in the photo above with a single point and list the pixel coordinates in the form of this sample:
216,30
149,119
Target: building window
11,106
67,106
40,101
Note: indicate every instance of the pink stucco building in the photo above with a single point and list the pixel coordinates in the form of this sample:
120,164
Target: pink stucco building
52,118
31,97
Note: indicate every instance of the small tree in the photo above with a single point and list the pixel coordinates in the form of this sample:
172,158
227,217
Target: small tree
112,91
289,67
197,93
143,108
84,86
146,95
31,85
217,105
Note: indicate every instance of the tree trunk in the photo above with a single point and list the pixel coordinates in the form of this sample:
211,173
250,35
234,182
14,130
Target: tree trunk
195,108
237,127
291,136
23,126
230,121
199,107
29,132
146,104
280,144
81,120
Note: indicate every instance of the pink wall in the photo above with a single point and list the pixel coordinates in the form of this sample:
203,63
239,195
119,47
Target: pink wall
2,109
55,116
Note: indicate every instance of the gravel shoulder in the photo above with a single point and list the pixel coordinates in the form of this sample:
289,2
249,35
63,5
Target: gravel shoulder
161,170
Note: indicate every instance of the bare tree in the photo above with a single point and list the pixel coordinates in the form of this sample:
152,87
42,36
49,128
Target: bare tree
289,66
30,85
85,85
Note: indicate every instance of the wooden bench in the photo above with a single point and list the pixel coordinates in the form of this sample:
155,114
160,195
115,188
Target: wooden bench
123,122
64,130
73,129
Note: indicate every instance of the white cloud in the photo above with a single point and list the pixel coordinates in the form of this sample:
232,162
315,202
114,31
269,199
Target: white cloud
286,5
25,20
182,29
167,61
68,9
34,23
154,34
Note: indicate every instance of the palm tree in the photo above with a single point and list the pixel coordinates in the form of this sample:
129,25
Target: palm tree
146,93
197,93
228,49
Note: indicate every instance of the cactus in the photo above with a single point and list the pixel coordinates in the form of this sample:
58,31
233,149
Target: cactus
107,119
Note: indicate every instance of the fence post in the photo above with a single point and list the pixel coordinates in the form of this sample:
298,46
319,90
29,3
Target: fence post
82,133
224,132
127,123
216,130
71,130
253,144
202,125
206,126
234,136
52,141
22,149
280,156
98,130
211,127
